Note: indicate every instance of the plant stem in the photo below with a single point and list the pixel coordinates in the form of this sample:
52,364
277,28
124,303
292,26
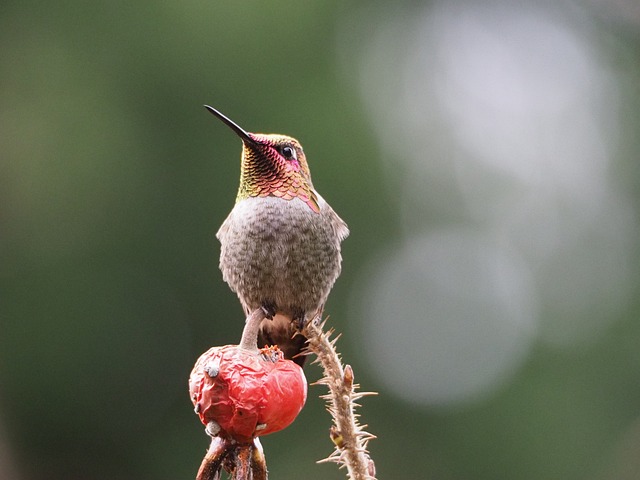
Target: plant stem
242,470
258,462
213,460
348,436
249,340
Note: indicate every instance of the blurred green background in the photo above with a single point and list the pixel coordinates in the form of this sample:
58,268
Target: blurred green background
484,155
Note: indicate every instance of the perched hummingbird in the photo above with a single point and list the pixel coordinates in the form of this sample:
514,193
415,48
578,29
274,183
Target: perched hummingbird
281,242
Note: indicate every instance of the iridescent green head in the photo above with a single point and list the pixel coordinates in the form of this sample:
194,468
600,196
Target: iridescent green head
272,165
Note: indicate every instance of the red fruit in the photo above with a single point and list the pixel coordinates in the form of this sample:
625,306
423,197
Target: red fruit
247,392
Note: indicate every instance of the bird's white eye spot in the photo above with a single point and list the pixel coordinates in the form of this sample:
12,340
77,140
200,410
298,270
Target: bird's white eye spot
289,152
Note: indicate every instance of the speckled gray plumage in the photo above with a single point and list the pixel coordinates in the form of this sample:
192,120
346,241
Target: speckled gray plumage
281,253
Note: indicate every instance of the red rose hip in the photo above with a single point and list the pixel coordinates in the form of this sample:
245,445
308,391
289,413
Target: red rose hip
242,392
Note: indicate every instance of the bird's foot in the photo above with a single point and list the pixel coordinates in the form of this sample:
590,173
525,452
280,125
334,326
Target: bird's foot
299,322
269,310
301,319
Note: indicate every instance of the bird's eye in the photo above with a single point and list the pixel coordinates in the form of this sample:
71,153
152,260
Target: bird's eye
289,152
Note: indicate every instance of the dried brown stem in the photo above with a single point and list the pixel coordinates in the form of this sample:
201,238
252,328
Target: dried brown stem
348,436
212,463
242,470
258,462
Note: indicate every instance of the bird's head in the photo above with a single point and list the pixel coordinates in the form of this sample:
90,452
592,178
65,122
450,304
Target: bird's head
272,165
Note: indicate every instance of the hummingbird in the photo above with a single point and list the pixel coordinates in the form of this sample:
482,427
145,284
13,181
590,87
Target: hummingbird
280,245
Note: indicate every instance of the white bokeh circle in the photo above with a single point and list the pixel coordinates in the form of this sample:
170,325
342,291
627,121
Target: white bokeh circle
447,317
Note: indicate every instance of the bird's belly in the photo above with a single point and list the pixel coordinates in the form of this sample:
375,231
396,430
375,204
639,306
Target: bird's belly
279,252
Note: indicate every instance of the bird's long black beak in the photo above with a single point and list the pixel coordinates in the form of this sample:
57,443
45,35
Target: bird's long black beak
244,136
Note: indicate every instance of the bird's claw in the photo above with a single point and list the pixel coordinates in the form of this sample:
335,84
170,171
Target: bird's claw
299,323
269,310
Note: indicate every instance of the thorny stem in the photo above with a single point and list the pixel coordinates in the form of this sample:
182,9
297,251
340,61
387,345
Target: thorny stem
348,436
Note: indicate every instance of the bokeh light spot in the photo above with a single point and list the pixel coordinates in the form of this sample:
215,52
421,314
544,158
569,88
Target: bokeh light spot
447,317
